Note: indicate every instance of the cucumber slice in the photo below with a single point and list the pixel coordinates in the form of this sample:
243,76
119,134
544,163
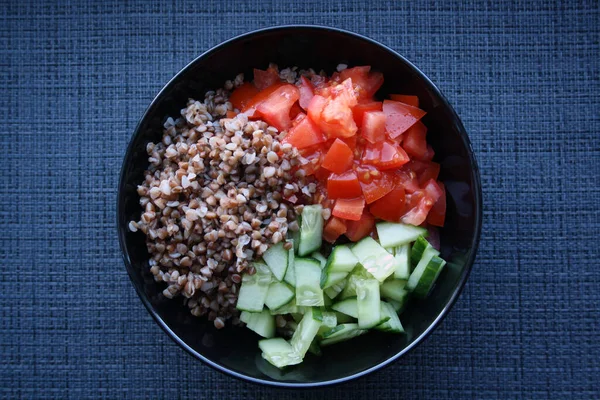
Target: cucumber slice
339,264
393,323
343,318
253,291
393,234
342,333
402,259
374,258
319,257
245,316
289,308
276,258
315,349
417,250
307,331
394,290
279,294
398,305
331,278
335,289
329,322
308,288
278,352
347,306
429,270
311,230
295,237
367,301
262,323
290,276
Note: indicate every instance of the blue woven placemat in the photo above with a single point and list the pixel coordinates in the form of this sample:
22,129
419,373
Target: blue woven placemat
523,75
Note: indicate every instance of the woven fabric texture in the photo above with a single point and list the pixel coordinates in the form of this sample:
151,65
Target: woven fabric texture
523,75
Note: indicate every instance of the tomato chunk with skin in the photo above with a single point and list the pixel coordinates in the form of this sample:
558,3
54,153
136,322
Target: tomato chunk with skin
276,108
390,207
373,126
421,202
437,215
242,95
307,91
334,228
384,155
399,117
414,141
250,106
356,230
336,118
344,185
264,79
407,178
339,157
350,209
375,189
359,110
425,170
406,99
365,83
304,133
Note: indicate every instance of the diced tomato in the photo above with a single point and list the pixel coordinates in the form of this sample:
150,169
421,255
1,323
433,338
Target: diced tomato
384,155
437,215
336,118
276,108
425,170
250,106
373,126
351,142
406,99
315,108
360,109
357,74
407,178
421,202
365,83
344,185
304,133
433,190
414,141
339,157
314,156
307,91
333,229
264,79
399,117
356,230
322,175
390,207
377,186
295,110
242,95
374,82
350,209
429,154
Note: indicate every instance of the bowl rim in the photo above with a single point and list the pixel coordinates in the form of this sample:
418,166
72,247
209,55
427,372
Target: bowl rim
477,190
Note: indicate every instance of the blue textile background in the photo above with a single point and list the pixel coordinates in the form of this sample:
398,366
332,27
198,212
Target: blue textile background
77,75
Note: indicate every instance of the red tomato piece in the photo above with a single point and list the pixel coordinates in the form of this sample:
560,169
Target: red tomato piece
365,83
339,157
322,175
377,186
399,117
250,107
421,202
350,209
264,79
425,170
304,133
315,108
333,229
295,110
406,99
437,215
336,119
373,126
276,108
390,207
360,109
344,185
429,154
356,230
351,142
242,95
307,91
414,142
384,155
433,190
407,178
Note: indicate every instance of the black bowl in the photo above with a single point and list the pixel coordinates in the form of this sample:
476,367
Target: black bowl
235,350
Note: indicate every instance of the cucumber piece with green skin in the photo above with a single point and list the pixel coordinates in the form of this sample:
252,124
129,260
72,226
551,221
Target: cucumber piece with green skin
398,306
253,292
367,301
290,276
276,258
279,294
430,273
311,230
419,271
333,291
394,290
289,308
402,259
329,322
315,349
347,306
308,288
339,264
343,318
342,333
262,323
393,323
350,290
306,331
393,234
297,318
417,250
278,352
319,257
295,237
245,316
374,258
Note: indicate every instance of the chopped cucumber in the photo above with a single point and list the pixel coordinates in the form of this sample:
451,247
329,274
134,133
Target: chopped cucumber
342,333
394,290
367,300
329,322
253,291
331,278
295,238
262,323
245,316
289,308
374,258
398,305
430,273
279,294
297,318
319,257
308,276
419,272
417,250
402,259
306,332
339,264
347,306
290,276
314,348
335,289
394,234
393,323
311,230
343,318
278,352
276,258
